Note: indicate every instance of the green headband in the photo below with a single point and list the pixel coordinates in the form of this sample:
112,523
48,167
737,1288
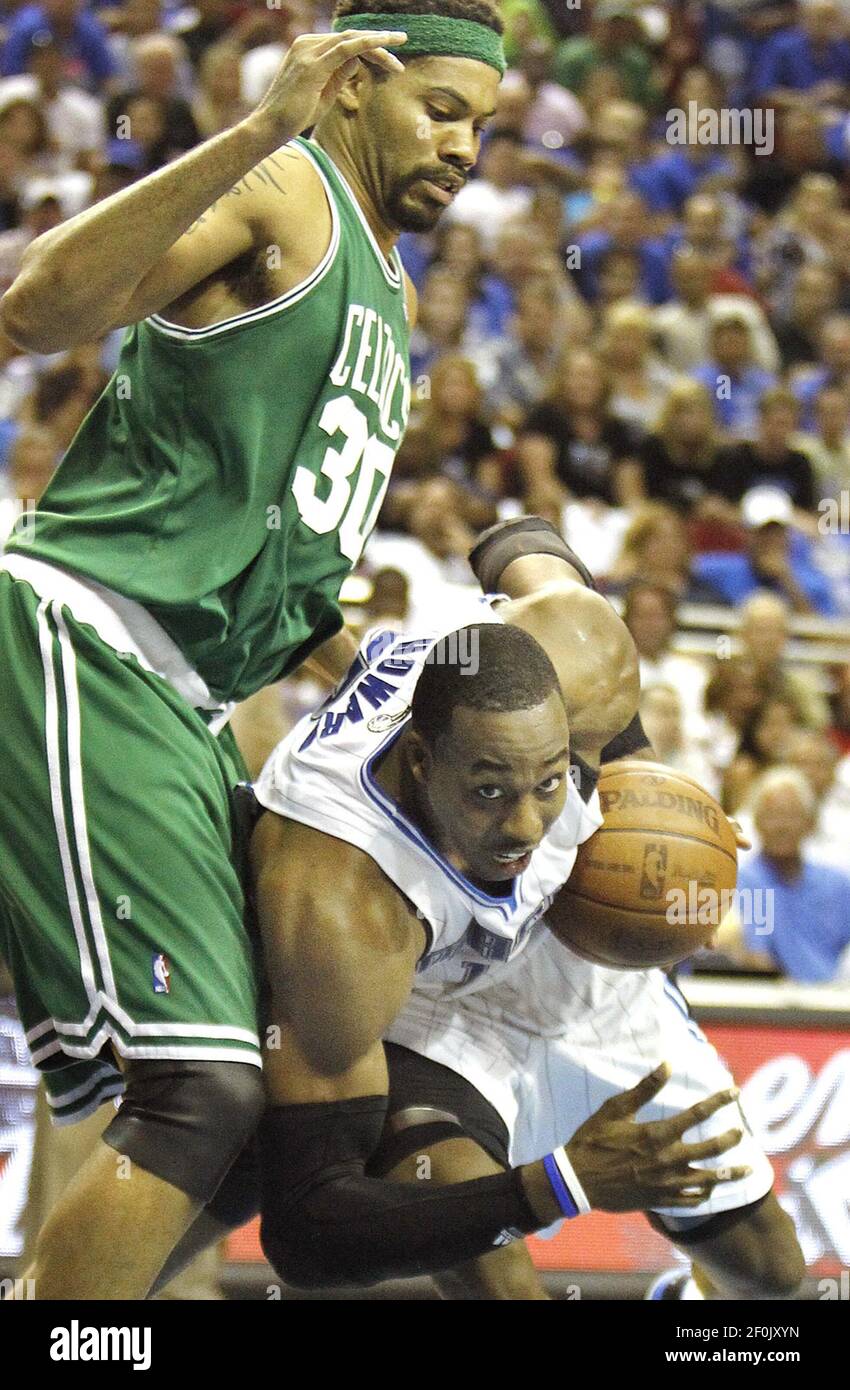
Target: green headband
434,33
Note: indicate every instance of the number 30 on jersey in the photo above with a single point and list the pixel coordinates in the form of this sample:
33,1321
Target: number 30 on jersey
352,505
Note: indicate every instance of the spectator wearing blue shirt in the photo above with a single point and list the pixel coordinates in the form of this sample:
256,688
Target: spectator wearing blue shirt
81,38
626,231
773,559
735,382
795,910
808,64
667,181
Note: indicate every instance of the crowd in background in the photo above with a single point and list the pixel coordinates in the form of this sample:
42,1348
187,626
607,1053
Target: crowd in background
646,342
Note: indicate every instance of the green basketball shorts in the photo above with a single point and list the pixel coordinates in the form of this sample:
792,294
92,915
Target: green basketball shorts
122,913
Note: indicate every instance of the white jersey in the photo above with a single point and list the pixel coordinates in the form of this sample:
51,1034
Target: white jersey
323,775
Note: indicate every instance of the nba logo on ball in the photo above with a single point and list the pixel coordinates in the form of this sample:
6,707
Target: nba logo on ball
161,974
653,871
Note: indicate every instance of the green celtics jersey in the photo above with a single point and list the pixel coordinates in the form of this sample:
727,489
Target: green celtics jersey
228,477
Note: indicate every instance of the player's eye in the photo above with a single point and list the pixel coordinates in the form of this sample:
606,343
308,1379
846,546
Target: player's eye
489,793
439,114
551,784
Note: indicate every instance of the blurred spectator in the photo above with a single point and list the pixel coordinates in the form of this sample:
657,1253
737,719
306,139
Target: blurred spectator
499,193
763,636
828,445
770,561
662,716
731,694
615,41
807,64
458,249
521,254
571,444
684,325
65,393
282,23
73,117
219,103
766,739
32,460
732,377
800,236
828,775
640,379
17,377
815,295
432,555
450,419
833,370
543,111
389,601
24,130
677,459
770,460
649,613
673,177
202,26
151,112
839,707
808,926
656,549
441,321
41,212
79,35
703,229
515,370
625,230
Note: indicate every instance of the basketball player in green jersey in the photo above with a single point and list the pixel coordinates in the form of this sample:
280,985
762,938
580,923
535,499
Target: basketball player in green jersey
189,551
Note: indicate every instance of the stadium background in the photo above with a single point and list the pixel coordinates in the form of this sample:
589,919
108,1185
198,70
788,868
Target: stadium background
646,341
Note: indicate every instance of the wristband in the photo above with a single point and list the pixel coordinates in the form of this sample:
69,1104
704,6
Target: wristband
570,1195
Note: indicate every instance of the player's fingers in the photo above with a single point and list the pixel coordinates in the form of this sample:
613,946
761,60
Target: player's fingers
677,1125
631,1101
704,1179
680,1154
365,44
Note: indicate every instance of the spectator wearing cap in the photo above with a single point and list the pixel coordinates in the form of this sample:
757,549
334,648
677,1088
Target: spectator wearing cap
807,928
74,117
684,324
615,40
769,460
80,36
733,379
808,63
770,560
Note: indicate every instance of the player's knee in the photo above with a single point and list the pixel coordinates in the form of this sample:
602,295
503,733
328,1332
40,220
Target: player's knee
186,1122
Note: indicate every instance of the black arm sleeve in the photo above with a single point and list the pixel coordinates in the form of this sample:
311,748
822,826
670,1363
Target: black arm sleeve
632,739
325,1224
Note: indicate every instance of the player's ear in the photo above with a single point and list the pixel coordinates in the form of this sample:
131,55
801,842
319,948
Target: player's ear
350,94
420,757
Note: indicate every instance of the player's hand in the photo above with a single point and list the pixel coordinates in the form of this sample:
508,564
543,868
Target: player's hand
626,1166
314,70
740,838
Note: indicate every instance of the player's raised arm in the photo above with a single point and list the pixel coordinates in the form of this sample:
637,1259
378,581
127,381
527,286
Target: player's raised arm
85,276
554,600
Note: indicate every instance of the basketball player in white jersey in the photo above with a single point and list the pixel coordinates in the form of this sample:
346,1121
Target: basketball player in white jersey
425,817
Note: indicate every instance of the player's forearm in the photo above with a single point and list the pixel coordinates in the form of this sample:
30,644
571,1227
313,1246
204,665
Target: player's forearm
76,278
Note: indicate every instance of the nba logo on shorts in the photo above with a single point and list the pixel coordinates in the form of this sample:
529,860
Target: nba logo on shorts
653,871
161,974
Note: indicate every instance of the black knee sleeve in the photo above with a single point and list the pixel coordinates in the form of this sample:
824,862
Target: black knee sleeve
326,1224
186,1122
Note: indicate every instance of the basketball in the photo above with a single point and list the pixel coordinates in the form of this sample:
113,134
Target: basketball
652,884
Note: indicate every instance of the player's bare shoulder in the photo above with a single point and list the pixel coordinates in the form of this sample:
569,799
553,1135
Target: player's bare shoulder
282,206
